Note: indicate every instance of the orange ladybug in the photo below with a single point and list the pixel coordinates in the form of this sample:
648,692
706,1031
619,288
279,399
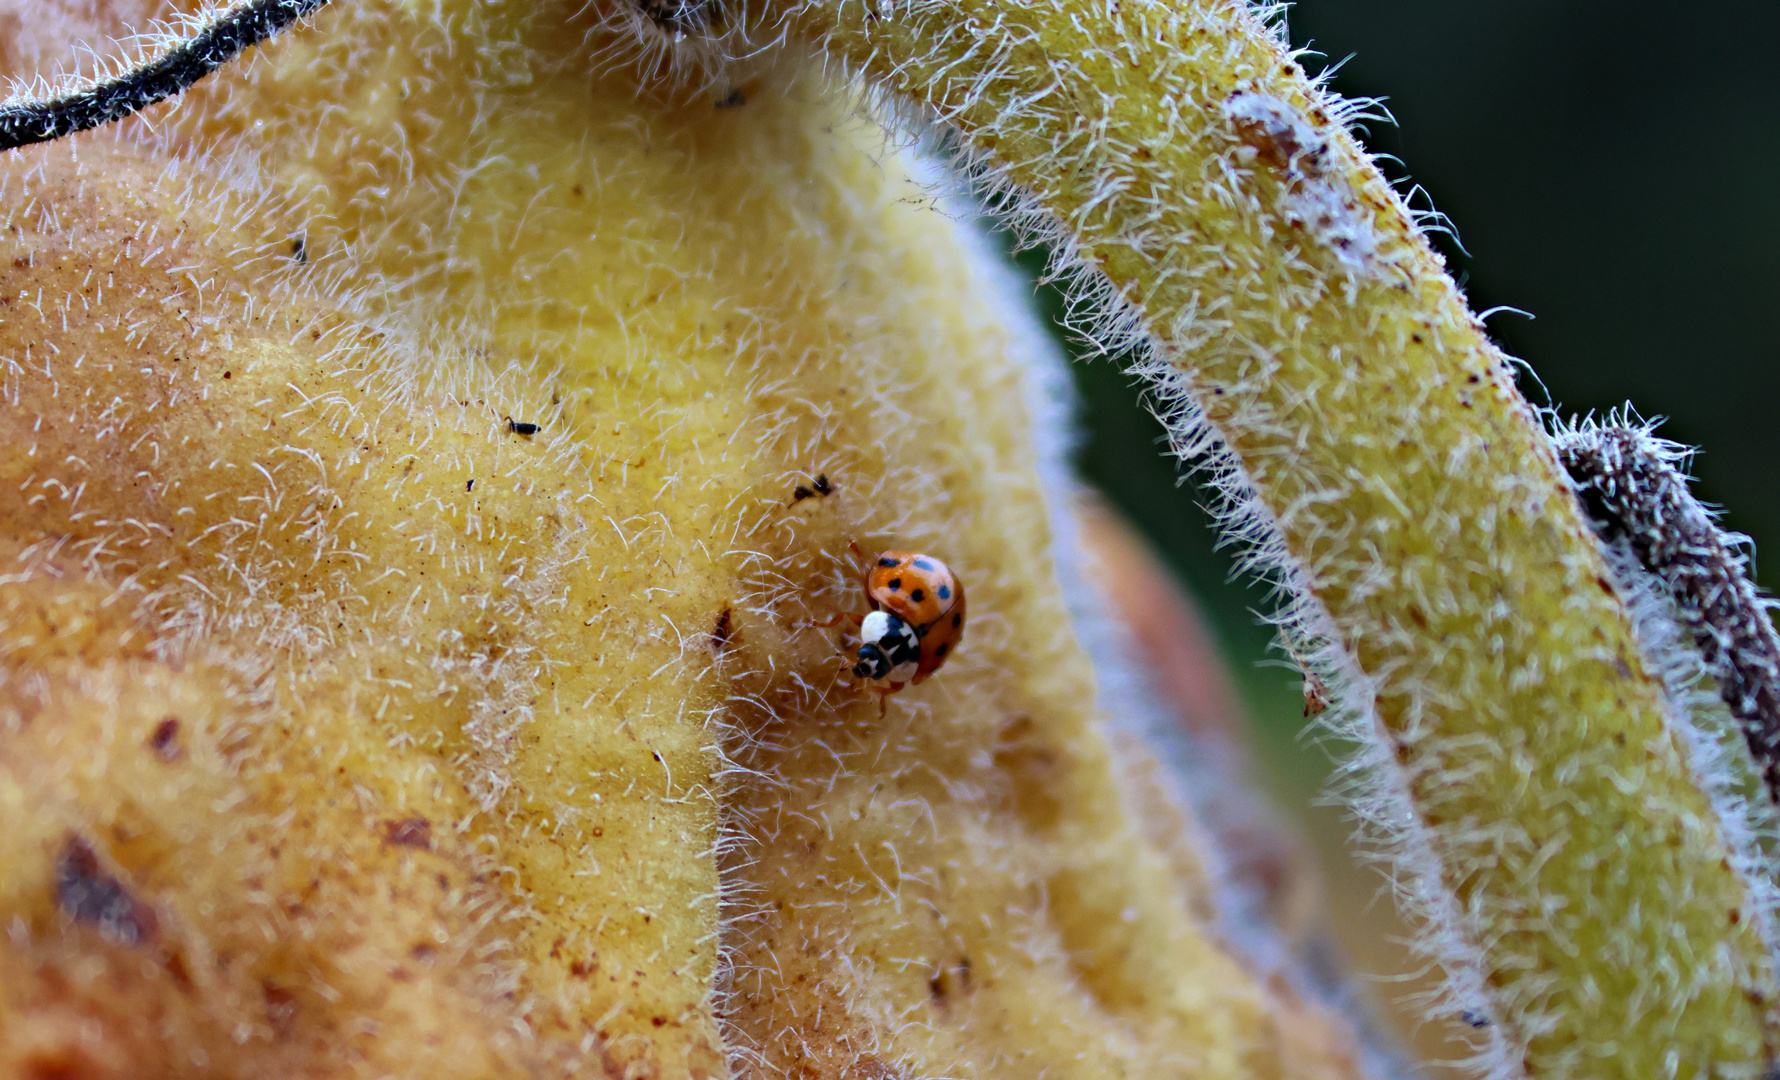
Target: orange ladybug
915,622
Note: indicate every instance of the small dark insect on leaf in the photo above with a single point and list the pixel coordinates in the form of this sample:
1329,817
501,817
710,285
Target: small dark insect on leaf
1474,1018
819,486
471,484
520,427
299,248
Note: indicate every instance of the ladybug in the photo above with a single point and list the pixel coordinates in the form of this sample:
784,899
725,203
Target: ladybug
915,621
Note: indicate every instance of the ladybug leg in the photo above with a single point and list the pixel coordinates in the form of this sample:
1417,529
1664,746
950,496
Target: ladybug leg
843,619
865,564
884,697
851,620
857,689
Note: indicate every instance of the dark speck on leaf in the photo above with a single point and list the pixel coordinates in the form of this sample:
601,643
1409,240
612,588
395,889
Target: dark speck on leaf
520,427
164,741
950,981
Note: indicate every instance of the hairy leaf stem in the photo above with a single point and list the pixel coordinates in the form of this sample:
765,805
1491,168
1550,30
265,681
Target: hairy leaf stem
217,40
1440,572
1630,484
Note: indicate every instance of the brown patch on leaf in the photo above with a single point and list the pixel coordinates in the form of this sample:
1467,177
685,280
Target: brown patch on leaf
281,1007
723,632
88,894
414,832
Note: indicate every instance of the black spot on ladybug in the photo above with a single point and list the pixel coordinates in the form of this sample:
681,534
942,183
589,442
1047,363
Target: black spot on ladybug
90,895
941,651
164,741
886,561
944,592
925,564
957,621
918,595
895,584
520,427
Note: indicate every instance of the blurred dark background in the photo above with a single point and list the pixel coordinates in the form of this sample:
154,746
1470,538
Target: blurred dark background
1610,169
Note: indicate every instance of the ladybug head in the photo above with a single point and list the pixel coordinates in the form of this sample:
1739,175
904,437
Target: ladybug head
889,648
